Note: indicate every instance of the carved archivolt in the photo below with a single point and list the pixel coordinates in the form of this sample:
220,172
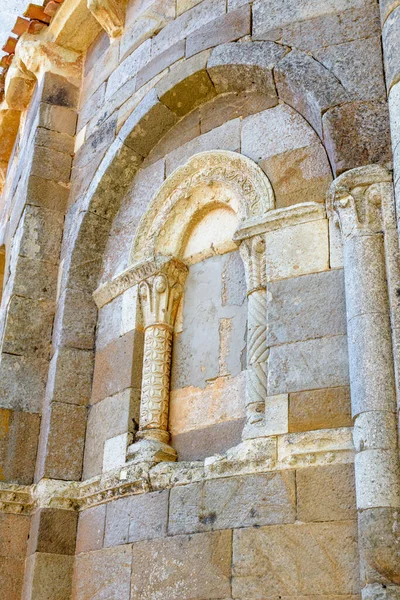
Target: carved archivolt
162,227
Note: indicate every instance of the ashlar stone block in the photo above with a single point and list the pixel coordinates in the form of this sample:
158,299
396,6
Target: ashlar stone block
136,518
19,434
90,533
297,250
196,566
254,500
103,574
296,560
320,409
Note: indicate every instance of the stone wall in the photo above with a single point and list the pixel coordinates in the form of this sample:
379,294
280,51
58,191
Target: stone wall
199,332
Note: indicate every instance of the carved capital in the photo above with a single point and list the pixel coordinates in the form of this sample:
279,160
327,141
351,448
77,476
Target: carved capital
160,293
355,198
252,251
110,14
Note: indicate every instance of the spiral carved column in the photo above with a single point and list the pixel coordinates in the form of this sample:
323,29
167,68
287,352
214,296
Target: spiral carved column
253,253
159,294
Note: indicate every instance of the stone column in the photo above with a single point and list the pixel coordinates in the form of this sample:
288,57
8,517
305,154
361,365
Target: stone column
252,251
354,202
159,294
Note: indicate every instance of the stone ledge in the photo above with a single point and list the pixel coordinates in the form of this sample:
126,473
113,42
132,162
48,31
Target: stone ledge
260,455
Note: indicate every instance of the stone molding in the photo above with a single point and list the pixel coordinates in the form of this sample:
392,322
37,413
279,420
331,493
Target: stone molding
261,455
354,200
110,14
281,217
254,191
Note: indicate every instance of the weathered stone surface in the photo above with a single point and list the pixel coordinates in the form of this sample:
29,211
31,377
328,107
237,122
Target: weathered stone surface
35,279
320,409
22,382
390,34
188,22
195,567
160,62
333,28
92,105
39,234
197,444
53,531
148,123
187,85
136,518
253,500
377,476
299,175
128,68
268,20
118,366
356,134
292,560
275,131
63,431
103,574
14,533
230,106
226,137
311,89
326,493
90,533
350,62
75,320
186,130
28,327
54,140
11,577
228,28
48,576
306,307
184,5
46,193
297,250
308,365
101,62
57,118
379,545
70,376
276,415
59,91
107,419
19,434
144,20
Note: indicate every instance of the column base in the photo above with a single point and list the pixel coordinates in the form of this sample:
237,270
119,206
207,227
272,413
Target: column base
377,591
151,451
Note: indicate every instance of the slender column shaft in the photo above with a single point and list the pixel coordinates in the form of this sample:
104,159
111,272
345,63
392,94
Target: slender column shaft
257,355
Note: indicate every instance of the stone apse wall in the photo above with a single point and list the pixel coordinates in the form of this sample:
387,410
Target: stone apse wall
200,309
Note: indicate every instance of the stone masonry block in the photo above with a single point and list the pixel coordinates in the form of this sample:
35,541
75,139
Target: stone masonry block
107,419
250,501
22,382
245,66
306,307
296,560
48,576
11,577
47,194
275,131
297,250
232,26
302,82
269,19
54,140
197,444
118,366
59,91
148,123
64,436
188,22
308,365
14,533
40,232
57,118
136,518
90,532
19,435
28,327
320,409
70,376
128,68
75,320
53,531
187,85
326,493
35,279
196,566
299,175
160,62
106,571
232,105
356,134
101,61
